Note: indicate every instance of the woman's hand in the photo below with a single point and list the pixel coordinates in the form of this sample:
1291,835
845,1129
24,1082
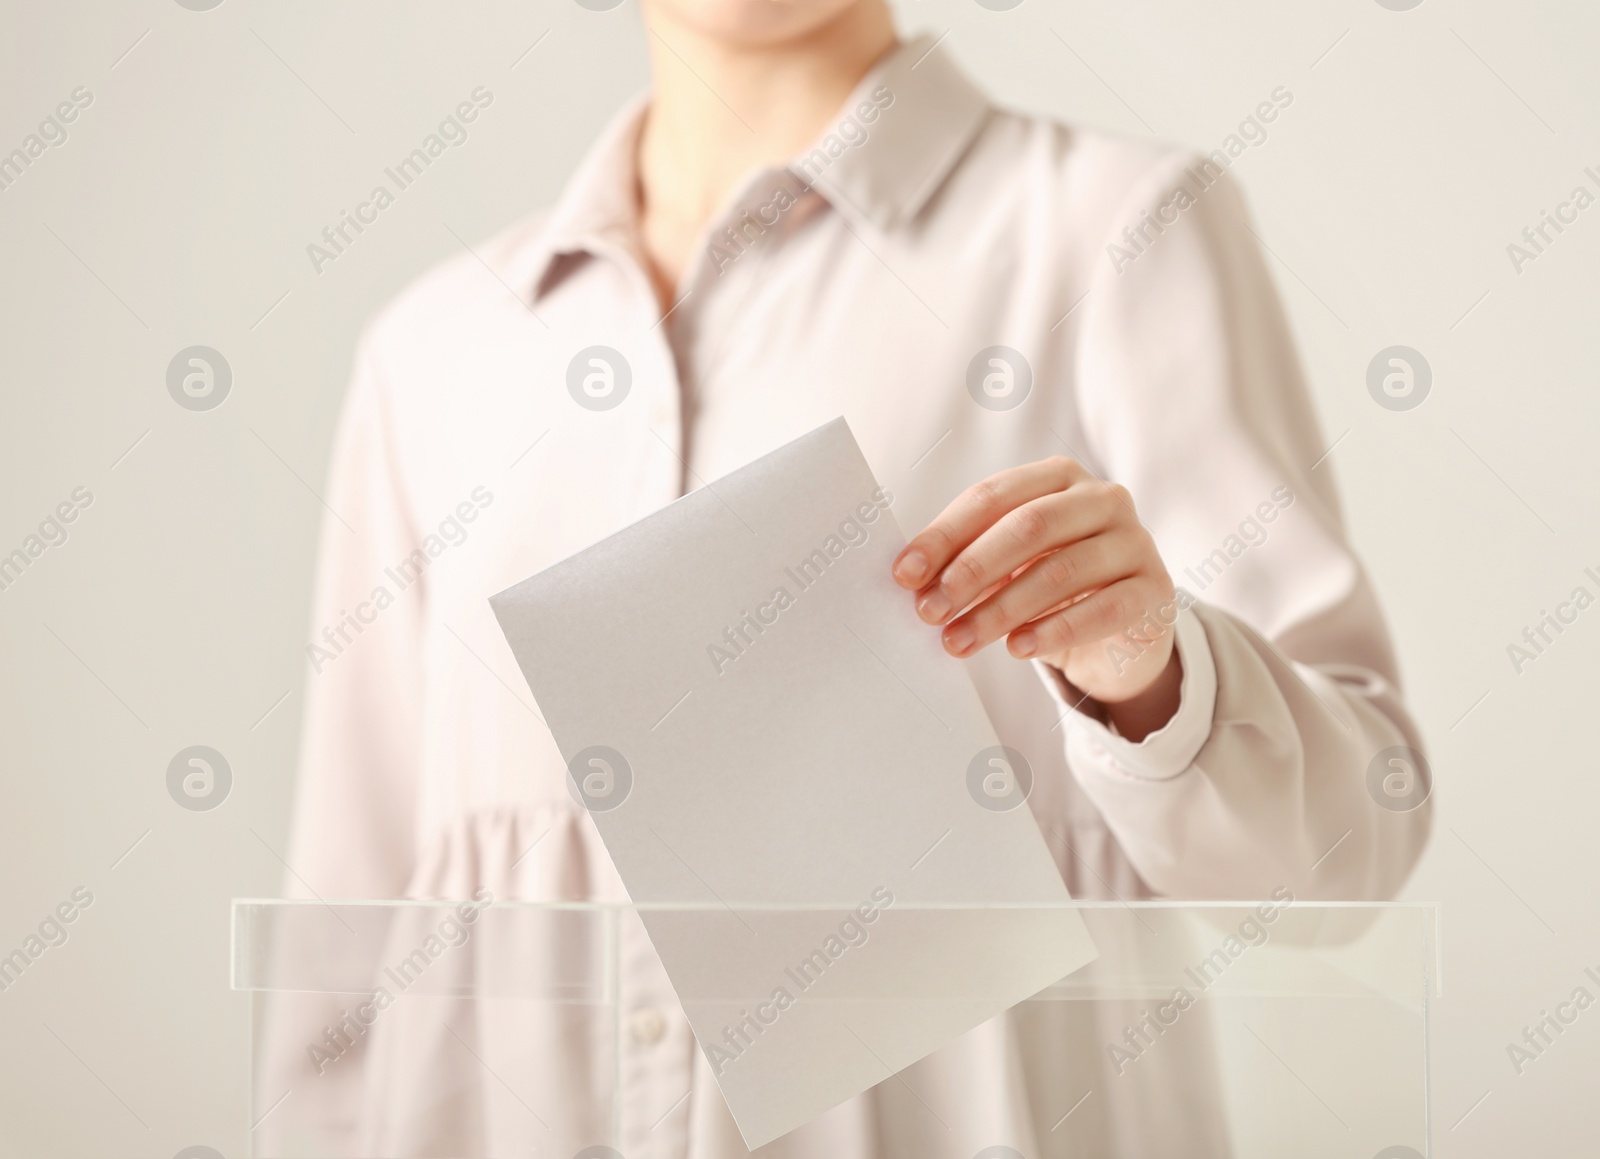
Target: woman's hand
1055,560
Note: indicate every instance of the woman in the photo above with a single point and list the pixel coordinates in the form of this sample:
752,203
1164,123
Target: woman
805,218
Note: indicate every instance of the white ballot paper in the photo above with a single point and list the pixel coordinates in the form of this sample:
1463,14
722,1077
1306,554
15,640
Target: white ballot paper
831,851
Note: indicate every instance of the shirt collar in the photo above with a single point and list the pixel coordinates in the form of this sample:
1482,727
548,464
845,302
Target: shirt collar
923,114
927,113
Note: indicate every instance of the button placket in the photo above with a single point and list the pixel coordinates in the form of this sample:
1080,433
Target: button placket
715,275
667,417
655,1066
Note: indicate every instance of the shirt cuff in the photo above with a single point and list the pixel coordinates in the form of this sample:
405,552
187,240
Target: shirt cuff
1173,747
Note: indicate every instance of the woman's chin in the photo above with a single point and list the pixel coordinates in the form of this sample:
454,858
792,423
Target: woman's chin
753,23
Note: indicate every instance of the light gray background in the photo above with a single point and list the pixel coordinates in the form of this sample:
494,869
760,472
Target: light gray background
220,143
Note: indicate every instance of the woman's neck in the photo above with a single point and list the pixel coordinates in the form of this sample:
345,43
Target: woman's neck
719,110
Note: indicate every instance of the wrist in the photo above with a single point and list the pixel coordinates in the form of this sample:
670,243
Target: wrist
1149,711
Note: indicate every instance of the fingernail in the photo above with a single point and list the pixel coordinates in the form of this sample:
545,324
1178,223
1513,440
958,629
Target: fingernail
1024,644
911,567
935,606
959,638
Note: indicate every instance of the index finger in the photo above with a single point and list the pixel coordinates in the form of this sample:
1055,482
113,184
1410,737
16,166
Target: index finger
974,511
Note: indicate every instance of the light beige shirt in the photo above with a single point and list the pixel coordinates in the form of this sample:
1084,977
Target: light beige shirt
870,278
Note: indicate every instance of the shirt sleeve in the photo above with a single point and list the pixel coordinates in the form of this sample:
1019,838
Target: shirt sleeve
355,805
1191,395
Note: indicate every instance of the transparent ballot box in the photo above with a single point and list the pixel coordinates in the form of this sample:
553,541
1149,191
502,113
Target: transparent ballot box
550,1029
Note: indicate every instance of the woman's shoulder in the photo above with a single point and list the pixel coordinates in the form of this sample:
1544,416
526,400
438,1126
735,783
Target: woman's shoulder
1091,171
454,290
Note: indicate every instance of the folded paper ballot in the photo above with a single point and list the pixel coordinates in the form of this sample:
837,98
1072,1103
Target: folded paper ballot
831,850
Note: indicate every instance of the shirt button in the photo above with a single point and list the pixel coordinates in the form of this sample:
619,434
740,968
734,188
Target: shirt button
648,1026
